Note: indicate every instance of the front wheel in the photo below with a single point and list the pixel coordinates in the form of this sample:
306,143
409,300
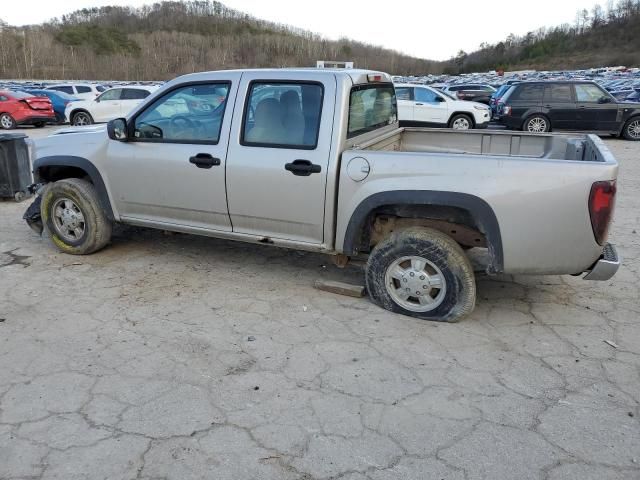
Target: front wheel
7,122
72,213
537,124
81,118
631,130
461,122
422,273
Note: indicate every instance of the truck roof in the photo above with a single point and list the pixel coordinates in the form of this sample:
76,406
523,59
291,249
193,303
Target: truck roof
357,76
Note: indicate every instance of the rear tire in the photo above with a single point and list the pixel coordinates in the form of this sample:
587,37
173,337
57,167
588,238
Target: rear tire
74,218
461,122
7,122
536,124
81,118
423,273
631,130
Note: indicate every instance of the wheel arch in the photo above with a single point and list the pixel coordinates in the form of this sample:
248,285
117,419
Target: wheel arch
478,211
58,167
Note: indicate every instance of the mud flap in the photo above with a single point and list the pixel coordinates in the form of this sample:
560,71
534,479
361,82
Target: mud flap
32,216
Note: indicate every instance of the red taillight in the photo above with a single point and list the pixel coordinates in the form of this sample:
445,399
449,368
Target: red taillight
602,200
506,110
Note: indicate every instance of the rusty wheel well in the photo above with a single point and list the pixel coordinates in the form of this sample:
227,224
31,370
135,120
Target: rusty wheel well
455,222
53,173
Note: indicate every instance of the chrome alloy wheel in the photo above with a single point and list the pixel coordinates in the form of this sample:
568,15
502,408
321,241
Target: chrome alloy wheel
461,124
633,129
415,284
68,220
537,125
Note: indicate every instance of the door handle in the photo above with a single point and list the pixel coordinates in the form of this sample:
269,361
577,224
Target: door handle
204,160
419,103
302,168
582,107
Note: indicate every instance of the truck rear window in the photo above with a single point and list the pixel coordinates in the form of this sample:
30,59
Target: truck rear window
371,106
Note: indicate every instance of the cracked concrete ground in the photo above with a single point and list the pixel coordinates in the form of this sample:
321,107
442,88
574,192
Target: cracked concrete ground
179,357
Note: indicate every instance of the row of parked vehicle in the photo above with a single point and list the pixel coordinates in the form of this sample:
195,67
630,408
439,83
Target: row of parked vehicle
76,103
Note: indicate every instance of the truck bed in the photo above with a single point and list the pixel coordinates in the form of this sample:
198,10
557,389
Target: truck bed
576,147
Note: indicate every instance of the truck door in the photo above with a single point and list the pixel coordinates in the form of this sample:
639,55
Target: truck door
279,153
172,171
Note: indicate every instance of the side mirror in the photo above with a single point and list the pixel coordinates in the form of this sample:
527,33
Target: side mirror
604,99
117,129
440,99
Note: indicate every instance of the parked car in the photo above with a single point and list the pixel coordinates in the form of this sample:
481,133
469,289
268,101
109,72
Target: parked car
315,160
20,108
83,91
474,93
494,101
111,104
59,101
634,97
419,105
545,106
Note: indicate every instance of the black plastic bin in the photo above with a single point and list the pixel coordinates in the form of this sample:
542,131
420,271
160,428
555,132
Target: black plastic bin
15,169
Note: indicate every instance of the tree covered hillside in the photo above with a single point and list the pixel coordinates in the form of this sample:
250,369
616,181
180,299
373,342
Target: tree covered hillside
169,38
602,36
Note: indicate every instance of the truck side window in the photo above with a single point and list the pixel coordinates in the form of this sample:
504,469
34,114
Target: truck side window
282,115
371,106
189,114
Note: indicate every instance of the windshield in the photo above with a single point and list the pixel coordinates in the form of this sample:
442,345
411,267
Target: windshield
371,106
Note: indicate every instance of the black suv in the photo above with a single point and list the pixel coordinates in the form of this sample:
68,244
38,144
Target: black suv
568,105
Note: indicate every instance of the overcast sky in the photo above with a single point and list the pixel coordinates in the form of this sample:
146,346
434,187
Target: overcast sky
427,29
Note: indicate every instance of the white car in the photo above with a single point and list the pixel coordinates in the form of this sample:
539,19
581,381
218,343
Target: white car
419,105
83,91
114,103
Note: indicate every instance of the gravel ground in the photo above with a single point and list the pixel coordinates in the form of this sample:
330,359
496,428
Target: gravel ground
179,357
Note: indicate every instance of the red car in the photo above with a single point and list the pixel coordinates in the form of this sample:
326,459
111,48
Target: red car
19,108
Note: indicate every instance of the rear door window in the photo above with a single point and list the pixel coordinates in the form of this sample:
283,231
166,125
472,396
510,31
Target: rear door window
527,93
64,89
113,94
404,93
134,94
283,115
558,93
83,89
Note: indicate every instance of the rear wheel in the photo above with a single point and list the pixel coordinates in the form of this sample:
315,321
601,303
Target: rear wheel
461,122
7,122
537,124
81,118
631,130
422,273
73,216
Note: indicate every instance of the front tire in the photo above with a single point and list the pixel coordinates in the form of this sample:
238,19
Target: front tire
461,122
537,124
631,130
422,273
7,122
71,211
80,119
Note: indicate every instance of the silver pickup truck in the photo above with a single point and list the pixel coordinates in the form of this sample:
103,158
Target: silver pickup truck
314,160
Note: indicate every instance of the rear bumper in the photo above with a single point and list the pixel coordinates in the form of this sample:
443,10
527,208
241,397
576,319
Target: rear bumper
606,266
31,119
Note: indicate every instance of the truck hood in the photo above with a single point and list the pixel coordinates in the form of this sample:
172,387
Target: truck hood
83,129
75,141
